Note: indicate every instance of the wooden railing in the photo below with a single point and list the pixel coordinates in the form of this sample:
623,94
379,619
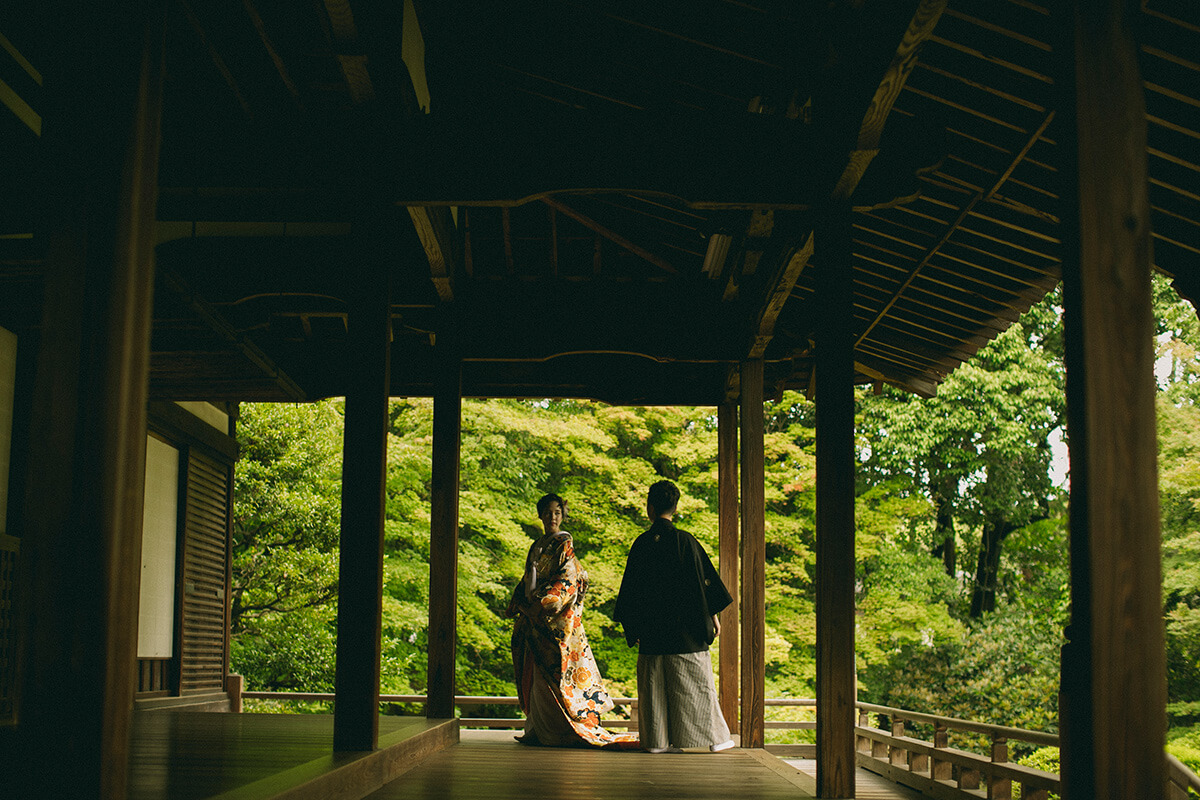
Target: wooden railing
938,770
933,768
462,701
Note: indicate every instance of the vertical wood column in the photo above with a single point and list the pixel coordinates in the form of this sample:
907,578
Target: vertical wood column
1114,687
364,468
727,558
81,529
835,512
443,529
754,557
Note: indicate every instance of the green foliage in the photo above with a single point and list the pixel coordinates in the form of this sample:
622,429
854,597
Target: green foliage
287,509
287,651
1177,343
1043,758
1003,670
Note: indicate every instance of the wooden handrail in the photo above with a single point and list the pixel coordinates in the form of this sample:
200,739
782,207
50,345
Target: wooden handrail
1020,734
1181,777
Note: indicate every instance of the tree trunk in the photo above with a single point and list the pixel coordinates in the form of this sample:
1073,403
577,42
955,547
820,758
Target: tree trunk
943,501
995,531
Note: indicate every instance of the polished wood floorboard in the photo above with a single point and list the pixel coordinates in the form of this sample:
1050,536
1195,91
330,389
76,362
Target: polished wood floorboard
203,755
489,765
868,785
182,755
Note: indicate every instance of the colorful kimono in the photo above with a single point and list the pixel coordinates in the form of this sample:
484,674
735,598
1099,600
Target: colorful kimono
551,654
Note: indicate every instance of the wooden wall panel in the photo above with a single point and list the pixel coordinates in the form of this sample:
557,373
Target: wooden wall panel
10,547
202,654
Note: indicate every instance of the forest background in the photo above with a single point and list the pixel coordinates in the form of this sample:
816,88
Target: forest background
962,592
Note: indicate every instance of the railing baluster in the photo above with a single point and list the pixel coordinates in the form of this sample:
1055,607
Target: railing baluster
941,770
897,756
1030,793
879,749
862,743
999,788
968,778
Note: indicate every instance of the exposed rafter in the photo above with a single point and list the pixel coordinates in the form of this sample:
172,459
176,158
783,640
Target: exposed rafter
953,228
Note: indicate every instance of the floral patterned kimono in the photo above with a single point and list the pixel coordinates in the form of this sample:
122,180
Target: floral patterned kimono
558,683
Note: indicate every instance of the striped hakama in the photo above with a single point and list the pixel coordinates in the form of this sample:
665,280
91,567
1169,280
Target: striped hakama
677,703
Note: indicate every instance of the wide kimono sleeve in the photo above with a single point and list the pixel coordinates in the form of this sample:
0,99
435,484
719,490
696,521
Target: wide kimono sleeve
634,597
716,596
557,580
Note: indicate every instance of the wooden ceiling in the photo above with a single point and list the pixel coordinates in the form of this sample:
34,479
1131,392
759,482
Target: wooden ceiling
618,200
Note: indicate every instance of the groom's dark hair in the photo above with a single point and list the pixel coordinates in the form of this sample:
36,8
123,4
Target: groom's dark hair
663,497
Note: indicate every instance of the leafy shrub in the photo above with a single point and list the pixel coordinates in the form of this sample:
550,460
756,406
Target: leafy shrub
1044,758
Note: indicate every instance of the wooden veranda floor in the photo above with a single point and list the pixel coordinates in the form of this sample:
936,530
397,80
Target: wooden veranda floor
196,755
215,756
489,765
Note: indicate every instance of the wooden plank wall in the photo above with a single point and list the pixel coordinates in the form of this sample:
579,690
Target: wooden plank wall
202,651
10,547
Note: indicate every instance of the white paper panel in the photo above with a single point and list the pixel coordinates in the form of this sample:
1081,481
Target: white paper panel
156,616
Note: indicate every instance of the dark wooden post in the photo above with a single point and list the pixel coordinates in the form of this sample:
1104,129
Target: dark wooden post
364,467
835,512
754,557
727,516
443,528
82,522
1114,687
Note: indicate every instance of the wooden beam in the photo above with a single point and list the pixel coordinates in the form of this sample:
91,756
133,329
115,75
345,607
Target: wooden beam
834,394
727,558
269,46
1113,664
81,526
922,387
223,330
612,236
468,257
357,77
342,27
364,481
435,229
870,133
506,231
344,39
553,241
777,296
754,556
443,527
979,197
217,59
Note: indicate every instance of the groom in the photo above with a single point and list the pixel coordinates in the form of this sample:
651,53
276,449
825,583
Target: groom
668,604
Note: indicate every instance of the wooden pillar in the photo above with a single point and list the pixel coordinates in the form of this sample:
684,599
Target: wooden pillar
754,557
364,467
82,523
1114,687
727,559
443,528
835,512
